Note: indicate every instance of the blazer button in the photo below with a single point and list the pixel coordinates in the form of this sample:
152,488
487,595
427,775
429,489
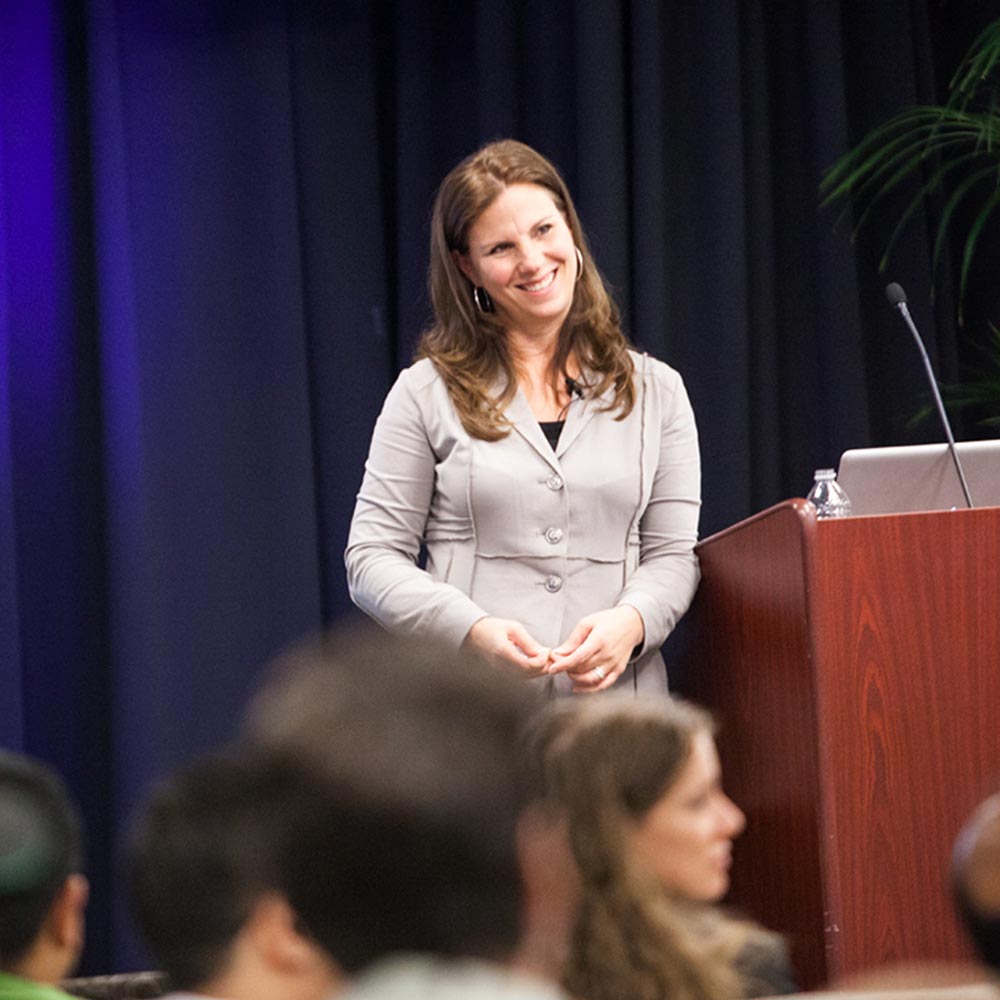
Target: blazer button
553,535
553,584
554,482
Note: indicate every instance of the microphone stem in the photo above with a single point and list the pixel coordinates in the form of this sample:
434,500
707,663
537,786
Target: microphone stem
905,313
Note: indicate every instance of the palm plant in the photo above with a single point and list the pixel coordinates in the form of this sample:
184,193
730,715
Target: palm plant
953,150
982,390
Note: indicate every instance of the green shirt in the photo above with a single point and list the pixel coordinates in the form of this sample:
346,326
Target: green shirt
16,988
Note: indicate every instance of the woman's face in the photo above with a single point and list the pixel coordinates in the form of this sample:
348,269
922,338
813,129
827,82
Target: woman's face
521,251
686,838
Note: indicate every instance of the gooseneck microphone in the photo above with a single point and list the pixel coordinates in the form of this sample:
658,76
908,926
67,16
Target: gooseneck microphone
897,299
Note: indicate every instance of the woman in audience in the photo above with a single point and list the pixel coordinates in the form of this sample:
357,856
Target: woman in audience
651,831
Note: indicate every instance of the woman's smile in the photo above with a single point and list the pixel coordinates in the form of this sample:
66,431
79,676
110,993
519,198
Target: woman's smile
522,252
542,285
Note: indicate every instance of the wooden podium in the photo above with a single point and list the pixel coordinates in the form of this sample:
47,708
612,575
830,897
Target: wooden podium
854,666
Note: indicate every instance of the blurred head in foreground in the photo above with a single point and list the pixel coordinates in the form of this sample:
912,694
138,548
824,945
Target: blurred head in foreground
976,873
42,893
204,875
422,837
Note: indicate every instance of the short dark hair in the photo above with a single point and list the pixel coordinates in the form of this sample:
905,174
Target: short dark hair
201,852
40,847
410,844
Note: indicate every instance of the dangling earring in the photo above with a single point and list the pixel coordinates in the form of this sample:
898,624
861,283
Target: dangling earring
579,262
482,299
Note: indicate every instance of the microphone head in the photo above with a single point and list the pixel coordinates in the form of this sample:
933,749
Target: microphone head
895,294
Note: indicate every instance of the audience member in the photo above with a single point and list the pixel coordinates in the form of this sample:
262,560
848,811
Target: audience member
423,861
42,893
652,831
203,877
976,870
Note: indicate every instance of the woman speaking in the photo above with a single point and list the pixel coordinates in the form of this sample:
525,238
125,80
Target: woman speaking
550,473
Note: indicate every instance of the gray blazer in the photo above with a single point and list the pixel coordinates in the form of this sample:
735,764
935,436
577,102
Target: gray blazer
515,530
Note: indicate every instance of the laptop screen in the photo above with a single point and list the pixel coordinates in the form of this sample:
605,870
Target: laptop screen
919,477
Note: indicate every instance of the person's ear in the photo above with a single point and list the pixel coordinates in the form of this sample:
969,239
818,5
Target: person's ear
66,923
545,855
278,939
464,264
271,926
550,884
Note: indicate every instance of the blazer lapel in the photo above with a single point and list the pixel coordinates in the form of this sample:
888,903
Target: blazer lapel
526,424
579,414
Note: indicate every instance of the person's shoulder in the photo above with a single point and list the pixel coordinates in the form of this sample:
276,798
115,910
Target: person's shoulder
764,965
419,382
420,376
419,977
655,372
18,988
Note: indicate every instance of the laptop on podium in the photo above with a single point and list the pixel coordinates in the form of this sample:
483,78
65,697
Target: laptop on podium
919,477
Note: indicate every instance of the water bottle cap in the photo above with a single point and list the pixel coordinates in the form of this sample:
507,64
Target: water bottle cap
826,473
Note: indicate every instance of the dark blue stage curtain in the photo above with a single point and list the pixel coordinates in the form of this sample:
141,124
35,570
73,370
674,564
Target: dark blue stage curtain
213,233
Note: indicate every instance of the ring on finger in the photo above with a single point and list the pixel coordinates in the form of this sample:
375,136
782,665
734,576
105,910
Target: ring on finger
600,672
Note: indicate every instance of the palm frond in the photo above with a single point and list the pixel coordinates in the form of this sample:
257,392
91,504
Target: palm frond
981,386
951,150
970,245
980,61
936,180
914,139
960,191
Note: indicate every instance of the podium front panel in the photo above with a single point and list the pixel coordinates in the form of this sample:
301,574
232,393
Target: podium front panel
854,666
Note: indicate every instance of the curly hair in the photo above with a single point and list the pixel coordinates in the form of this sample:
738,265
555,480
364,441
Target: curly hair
468,347
606,762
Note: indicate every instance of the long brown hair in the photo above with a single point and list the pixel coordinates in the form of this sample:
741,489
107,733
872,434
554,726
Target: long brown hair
468,347
605,762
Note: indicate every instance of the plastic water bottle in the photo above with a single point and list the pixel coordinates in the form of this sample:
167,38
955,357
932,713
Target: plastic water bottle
828,495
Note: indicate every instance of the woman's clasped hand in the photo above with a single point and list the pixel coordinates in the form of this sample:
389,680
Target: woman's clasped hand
593,655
